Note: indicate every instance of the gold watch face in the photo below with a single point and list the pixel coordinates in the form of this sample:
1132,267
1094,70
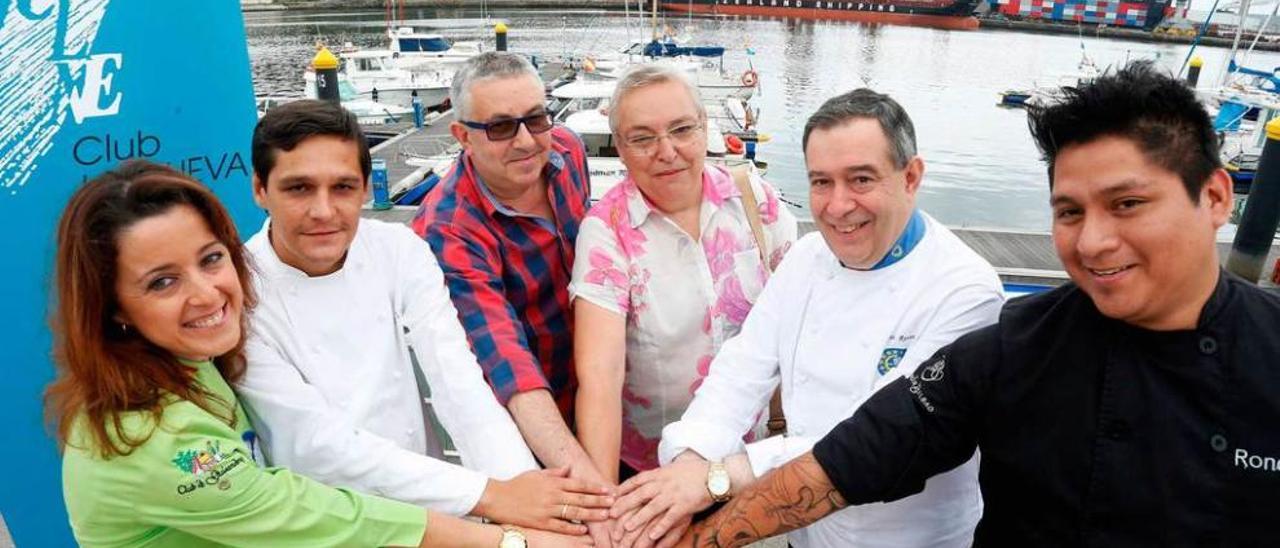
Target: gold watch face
718,482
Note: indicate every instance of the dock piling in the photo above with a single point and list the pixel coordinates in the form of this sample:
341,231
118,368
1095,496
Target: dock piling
417,109
325,64
1257,228
1193,73
500,36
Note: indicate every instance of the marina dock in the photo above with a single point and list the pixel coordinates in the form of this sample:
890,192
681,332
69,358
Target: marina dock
408,143
1019,256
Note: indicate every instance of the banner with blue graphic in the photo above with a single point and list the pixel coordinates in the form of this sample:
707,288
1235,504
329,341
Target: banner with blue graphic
84,85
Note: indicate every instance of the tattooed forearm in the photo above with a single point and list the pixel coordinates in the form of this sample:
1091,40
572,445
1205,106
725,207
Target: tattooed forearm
785,499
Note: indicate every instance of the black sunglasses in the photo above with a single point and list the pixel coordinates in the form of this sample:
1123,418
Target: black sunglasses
502,130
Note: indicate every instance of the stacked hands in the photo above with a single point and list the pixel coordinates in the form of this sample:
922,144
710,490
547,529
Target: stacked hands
655,508
652,509
553,508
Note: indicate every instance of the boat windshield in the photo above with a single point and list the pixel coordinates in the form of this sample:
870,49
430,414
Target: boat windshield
346,91
432,43
368,64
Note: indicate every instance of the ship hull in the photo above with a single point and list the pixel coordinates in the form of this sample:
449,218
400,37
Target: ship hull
946,15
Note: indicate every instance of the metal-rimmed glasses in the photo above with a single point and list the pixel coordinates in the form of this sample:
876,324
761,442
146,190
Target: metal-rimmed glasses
679,136
507,128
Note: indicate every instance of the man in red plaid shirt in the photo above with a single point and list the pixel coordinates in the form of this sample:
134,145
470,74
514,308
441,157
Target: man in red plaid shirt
503,224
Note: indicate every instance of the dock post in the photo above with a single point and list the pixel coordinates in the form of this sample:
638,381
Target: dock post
1261,212
326,67
1193,73
417,110
500,36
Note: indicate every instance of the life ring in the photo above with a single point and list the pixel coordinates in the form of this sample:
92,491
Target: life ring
589,64
750,78
734,145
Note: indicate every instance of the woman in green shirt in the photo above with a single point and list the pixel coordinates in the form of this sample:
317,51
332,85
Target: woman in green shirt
153,290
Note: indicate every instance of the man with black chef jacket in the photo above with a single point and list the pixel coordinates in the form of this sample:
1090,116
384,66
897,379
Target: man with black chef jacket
1138,405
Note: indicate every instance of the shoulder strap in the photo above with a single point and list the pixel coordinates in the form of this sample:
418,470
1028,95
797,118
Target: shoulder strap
777,423
742,178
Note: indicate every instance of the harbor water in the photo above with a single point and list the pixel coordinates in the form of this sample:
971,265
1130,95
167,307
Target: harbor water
982,169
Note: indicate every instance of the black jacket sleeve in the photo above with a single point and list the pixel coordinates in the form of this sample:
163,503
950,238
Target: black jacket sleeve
916,427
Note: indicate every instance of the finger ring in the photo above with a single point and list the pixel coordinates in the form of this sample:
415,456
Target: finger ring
564,510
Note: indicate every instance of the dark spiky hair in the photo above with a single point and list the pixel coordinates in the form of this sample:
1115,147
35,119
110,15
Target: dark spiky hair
1157,112
285,127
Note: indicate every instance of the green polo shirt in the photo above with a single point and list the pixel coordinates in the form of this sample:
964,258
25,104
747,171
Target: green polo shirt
194,483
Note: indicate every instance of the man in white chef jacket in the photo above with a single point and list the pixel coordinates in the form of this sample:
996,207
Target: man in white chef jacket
875,291
330,386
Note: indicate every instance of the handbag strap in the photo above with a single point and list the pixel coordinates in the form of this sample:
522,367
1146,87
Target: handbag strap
777,423
742,178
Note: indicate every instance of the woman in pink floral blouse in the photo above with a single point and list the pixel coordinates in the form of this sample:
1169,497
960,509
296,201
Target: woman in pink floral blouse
666,269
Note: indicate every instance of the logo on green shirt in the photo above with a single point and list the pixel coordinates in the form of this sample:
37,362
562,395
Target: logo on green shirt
207,466
199,462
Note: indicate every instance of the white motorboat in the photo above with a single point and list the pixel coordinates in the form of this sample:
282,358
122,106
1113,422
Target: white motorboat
374,75
704,65
367,111
411,49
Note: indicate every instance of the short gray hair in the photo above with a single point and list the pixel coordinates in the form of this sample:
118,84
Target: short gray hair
865,103
645,75
490,64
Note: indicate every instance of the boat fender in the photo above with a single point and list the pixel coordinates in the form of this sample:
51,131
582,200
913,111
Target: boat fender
750,78
589,65
733,145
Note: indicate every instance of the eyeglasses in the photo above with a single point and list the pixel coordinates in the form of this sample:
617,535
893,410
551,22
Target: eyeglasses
507,128
679,136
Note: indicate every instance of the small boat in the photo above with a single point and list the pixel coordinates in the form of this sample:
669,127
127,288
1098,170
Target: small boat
411,48
703,64
375,75
368,112
1014,98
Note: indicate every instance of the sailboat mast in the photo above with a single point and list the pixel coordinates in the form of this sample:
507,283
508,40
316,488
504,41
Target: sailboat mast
1244,14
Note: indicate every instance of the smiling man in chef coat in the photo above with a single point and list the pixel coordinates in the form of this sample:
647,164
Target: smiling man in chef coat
330,384
860,303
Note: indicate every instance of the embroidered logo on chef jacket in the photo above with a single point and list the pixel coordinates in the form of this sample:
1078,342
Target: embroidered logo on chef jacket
930,373
890,359
934,371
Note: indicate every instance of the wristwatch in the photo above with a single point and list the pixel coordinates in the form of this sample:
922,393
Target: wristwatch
718,482
512,538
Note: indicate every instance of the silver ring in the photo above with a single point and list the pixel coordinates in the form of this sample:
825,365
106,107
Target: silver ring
564,510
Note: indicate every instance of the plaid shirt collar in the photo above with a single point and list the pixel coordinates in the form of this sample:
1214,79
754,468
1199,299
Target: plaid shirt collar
555,164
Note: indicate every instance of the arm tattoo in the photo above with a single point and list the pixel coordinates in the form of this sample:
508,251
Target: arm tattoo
785,499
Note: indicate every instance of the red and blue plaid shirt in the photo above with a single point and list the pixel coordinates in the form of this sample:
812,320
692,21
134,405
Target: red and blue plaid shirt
508,273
